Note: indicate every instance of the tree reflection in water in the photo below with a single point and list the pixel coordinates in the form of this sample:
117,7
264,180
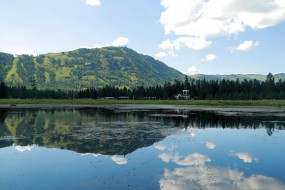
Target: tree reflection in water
106,149
114,132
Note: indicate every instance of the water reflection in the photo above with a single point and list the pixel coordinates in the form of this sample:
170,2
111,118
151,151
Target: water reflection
195,159
210,145
24,148
245,157
210,178
200,174
114,132
160,147
119,160
150,149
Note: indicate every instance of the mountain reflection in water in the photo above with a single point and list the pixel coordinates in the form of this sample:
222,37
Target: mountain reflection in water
140,149
113,132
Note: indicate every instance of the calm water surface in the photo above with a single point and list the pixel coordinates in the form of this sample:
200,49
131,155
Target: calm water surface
140,149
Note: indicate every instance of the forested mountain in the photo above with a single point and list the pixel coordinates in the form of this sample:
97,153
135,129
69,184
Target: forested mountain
85,68
95,68
241,77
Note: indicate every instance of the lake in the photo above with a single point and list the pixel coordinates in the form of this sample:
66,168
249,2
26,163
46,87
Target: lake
168,148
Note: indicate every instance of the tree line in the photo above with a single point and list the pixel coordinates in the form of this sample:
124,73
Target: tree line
198,89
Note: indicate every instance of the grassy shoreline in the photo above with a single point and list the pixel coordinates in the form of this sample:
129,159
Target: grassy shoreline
269,103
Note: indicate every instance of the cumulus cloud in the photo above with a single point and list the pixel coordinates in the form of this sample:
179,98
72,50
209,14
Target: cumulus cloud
167,44
210,57
161,54
165,54
210,18
203,177
93,2
193,43
210,145
245,157
246,45
24,51
119,160
192,71
194,22
190,42
24,148
91,47
190,160
121,41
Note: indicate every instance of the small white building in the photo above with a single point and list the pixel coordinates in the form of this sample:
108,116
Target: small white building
184,96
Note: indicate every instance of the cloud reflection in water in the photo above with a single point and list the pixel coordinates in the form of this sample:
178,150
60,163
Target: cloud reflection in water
119,160
245,157
208,178
24,148
160,147
192,131
198,175
210,145
190,160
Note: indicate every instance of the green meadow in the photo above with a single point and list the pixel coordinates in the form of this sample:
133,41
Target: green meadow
271,103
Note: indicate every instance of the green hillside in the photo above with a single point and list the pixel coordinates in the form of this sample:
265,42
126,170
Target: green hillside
83,68
237,76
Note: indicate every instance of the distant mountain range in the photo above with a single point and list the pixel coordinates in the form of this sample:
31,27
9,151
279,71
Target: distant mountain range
238,76
84,68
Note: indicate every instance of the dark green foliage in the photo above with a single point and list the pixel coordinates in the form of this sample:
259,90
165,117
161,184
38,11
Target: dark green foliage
122,72
40,76
3,90
6,63
199,89
118,67
26,69
40,59
87,68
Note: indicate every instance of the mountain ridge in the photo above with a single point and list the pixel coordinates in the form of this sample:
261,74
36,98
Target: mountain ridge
259,77
85,68
97,67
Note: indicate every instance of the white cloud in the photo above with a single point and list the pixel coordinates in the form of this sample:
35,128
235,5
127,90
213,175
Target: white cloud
210,145
165,54
245,157
121,41
246,45
91,47
161,54
24,51
193,43
167,44
210,18
203,177
210,57
93,2
24,148
190,42
193,70
190,160
119,160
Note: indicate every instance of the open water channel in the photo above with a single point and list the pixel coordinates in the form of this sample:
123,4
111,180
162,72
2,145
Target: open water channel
113,148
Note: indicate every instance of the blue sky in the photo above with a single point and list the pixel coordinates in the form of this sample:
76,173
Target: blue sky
192,36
